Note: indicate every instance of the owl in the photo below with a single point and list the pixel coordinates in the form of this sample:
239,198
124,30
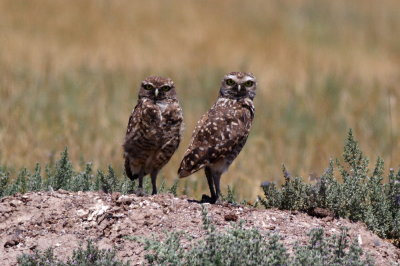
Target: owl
222,132
154,130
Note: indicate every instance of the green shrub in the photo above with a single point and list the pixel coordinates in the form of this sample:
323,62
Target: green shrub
82,181
63,172
230,196
88,256
126,186
240,246
61,175
4,179
108,183
359,197
174,188
45,258
20,184
333,250
35,179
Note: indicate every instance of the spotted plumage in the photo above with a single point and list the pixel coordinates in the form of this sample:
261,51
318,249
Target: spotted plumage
221,133
154,130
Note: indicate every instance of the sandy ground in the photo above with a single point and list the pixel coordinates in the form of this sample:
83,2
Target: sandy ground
63,219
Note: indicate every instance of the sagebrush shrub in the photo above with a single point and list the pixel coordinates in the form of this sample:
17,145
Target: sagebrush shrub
91,255
63,172
20,184
361,196
4,180
35,179
62,175
240,246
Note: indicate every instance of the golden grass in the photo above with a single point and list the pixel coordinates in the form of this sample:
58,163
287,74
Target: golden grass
70,72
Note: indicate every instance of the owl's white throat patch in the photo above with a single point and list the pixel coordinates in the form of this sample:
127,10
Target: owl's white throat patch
162,106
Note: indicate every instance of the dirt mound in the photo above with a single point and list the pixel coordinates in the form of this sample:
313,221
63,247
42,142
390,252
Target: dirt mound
63,219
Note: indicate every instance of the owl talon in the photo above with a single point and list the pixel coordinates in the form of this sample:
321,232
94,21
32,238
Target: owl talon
208,199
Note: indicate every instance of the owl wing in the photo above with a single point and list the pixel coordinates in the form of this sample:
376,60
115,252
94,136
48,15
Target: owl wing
216,134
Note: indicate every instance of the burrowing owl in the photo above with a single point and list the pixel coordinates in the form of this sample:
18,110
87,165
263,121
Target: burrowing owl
154,130
222,132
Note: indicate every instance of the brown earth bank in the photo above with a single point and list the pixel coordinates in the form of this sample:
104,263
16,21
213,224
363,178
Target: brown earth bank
63,219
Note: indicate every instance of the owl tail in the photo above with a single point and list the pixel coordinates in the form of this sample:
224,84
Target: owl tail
183,173
128,171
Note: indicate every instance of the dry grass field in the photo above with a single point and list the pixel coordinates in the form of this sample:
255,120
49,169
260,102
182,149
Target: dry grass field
69,73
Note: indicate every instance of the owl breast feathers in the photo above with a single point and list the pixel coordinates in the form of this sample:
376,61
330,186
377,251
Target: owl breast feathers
219,135
153,134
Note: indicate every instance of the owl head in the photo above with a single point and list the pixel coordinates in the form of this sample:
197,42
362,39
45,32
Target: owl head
236,85
157,89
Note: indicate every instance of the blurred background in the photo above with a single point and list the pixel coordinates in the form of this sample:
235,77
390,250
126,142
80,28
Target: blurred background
70,70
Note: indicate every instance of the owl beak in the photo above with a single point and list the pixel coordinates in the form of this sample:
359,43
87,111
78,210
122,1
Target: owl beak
239,87
156,92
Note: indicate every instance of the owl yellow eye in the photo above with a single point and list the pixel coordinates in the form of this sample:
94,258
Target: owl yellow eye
148,87
248,83
230,82
165,88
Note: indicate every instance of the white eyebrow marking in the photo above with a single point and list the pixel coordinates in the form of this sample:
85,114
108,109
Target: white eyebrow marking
249,78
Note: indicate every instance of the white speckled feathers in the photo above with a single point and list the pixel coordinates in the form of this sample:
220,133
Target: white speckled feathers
154,128
220,134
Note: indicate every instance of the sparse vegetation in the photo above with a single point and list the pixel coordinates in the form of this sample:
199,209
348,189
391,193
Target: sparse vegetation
62,175
88,256
361,196
237,245
241,246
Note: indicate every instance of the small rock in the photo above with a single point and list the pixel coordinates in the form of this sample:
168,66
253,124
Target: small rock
377,243
115,209
5,209
320,213
231,217
124,200
155,205
68,224
82,213
115,196
12,242
25,198
360,242
15,203
98,211
118,215
328,219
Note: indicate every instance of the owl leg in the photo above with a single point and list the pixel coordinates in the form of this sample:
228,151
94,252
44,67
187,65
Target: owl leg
210,181
216,179
140,186
141,181
153,181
